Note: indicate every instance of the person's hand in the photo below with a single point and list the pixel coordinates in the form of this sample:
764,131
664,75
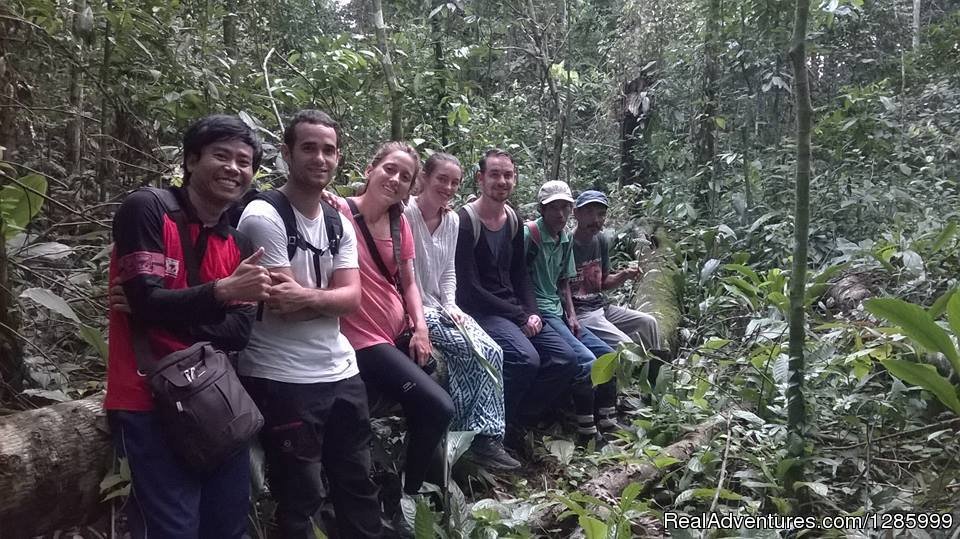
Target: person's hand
631,272
248,283
286,294
532,326
456,314
574,325
117,298
330,198
420,346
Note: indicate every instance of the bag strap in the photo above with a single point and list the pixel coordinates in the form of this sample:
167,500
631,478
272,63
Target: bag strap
394,279
171,206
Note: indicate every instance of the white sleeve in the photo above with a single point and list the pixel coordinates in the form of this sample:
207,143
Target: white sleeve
448,273
262,224
347,255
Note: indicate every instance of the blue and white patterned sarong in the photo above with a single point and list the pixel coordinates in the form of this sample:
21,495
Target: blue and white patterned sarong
477,399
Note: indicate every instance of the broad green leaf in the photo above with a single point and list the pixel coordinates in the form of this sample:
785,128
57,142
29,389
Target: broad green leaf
50,300
458,442
593,528
953,317
629,494
424,521
94,338
820,488
944,236
926,377
665,461
915,323
743,270
715,343
940,306
604,368
19,204
562,450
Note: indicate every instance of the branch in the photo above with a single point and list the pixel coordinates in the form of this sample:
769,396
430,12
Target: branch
266,80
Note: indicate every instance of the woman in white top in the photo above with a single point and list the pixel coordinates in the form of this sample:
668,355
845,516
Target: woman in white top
474,360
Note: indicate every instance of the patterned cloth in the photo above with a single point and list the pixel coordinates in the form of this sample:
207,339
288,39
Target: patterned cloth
477,399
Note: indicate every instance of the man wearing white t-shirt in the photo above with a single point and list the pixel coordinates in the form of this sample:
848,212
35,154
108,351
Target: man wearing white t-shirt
298,367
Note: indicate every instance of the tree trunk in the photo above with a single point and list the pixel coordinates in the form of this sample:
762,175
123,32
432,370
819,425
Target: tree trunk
393,88
103,171
916,25
441,73
75,125
706,134
51,463
796,407
11,349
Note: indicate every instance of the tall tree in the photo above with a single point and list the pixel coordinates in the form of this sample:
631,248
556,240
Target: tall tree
393,87
796,405
707,126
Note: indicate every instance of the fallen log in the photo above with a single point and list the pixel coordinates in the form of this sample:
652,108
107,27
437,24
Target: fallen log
657,294
609,485
51,463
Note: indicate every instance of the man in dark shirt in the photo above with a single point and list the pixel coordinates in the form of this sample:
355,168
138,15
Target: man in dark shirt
166,498
493,286
611,323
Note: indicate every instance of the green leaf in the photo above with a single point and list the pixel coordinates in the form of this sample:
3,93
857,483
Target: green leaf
927,377
19,204
604,368
424,521
665,461
944,236
953,317
48,299
629,494
940,306
94,338
821,489
593,528
458,442
562,450
914,322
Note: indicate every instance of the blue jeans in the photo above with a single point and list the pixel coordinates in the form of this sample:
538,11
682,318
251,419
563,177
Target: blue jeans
587,348
535,370
167,500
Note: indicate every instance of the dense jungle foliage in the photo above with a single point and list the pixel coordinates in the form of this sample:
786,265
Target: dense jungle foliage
683,110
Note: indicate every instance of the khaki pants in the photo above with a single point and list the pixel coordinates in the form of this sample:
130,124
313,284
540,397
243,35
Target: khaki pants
614,325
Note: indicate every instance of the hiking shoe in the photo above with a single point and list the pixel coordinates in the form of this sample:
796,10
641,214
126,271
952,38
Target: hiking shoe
488,452
584,439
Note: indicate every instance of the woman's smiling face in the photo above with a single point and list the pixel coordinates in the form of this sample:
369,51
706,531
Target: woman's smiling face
442,184
392,177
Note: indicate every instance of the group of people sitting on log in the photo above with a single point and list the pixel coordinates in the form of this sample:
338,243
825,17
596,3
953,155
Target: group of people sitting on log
325,299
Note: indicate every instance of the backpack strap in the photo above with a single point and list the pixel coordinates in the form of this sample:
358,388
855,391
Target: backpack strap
533,249
475,221
282,205
331,219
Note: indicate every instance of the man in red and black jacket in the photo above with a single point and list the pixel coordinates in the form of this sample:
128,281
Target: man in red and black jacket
167,499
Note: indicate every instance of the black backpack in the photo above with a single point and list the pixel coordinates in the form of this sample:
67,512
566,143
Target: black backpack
280,202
